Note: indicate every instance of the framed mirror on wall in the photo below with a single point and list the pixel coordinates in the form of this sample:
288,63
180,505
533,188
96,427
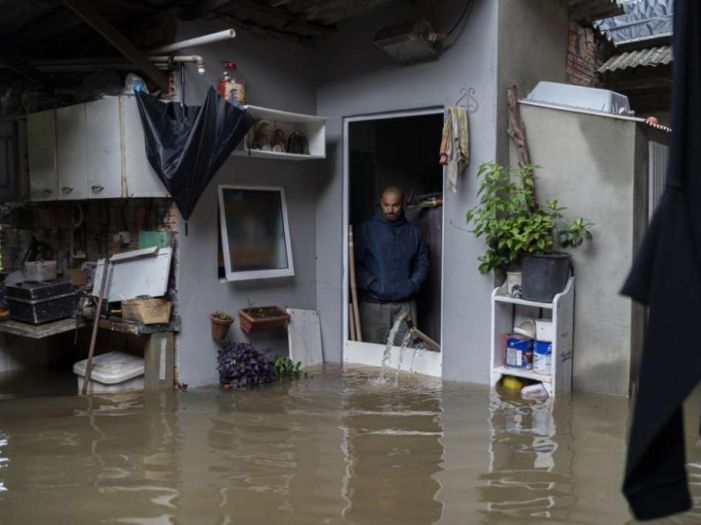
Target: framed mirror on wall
254,233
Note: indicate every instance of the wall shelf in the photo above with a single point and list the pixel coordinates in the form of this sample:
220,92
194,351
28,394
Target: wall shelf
313,127
508,311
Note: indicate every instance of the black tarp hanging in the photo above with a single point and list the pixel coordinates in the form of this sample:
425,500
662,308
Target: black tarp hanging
666,276
186,145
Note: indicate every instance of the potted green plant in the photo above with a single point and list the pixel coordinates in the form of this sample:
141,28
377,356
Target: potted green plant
221,323
520,232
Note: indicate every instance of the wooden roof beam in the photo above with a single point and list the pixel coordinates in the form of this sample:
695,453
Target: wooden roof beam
119,42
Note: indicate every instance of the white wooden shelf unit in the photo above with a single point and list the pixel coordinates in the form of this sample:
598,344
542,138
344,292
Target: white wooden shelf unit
313,127
508,312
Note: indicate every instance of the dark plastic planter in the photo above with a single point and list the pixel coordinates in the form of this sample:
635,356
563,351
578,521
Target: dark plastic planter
544,276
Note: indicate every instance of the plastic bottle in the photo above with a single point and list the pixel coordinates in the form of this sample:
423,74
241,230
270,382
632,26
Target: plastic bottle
231,85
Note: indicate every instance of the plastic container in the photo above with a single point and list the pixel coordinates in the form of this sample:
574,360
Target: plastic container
231,86
112,372
40,271
519,351
534,391
543,357
545,330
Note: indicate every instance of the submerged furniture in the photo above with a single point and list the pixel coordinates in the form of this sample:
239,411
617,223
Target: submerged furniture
159,352
509,311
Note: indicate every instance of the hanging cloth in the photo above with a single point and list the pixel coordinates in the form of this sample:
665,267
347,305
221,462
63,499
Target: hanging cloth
666,276
186,145
455,145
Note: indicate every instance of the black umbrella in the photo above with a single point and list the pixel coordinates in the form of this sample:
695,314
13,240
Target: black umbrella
666,276
186,145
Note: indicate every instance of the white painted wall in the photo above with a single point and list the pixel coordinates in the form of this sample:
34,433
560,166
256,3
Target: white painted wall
282,76
593,165
358,79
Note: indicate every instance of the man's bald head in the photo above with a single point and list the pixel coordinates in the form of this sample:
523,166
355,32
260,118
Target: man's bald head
392,202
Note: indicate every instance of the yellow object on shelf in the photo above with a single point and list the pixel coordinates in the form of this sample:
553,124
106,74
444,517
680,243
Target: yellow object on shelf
512,383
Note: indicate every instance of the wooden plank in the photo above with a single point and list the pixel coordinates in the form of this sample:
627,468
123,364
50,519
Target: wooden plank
304,336
39,331
118,41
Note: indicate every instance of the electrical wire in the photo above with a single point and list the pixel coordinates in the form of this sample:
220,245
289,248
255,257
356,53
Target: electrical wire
468,8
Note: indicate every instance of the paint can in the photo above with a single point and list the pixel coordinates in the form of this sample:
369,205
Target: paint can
545,330
519,351
543,357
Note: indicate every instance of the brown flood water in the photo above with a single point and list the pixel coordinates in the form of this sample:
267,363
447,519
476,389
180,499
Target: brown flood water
332,448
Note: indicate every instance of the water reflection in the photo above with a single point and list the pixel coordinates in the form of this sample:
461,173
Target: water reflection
392,450
530,461
334,448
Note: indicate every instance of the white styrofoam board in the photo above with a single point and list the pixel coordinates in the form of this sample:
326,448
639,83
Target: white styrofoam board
304,336
416,360
136,273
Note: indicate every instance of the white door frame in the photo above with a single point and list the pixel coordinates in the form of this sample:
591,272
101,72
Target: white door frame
422,361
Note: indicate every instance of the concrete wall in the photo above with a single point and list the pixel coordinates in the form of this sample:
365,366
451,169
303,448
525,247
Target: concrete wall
281,76
593,165
533,39
357,79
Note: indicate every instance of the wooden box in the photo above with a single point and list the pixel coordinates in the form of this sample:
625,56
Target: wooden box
147,311
261,318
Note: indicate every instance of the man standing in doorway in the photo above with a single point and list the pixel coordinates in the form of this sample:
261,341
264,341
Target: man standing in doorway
391,265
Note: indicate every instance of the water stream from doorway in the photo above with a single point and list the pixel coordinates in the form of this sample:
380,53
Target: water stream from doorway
388,347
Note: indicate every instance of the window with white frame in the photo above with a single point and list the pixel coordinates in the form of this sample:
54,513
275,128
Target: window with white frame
254,233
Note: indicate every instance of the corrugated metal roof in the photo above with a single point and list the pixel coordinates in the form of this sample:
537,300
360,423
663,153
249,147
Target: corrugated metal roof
653,57
641,19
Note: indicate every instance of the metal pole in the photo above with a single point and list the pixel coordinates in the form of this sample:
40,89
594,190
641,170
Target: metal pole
192,42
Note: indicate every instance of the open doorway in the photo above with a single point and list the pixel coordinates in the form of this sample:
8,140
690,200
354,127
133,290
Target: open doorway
395,151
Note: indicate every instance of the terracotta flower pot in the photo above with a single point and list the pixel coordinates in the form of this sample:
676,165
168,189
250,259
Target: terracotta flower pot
259,319
220,327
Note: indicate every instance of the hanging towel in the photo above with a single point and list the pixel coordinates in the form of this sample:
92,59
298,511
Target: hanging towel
455,145
666,276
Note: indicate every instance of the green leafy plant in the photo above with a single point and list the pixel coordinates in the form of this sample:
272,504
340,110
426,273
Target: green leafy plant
286,368
512,222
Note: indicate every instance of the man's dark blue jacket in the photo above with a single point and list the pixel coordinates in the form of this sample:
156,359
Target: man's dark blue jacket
391,260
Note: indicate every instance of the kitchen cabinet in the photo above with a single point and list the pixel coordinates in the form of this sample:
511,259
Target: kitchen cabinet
104,153
71,152
140,178
10,160
90,151
41,142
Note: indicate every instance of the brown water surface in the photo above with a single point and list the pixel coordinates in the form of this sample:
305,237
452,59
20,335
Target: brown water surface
332,448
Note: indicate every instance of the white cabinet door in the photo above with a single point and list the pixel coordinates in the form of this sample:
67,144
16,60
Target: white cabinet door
41,143
141,180
72,141
104,149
